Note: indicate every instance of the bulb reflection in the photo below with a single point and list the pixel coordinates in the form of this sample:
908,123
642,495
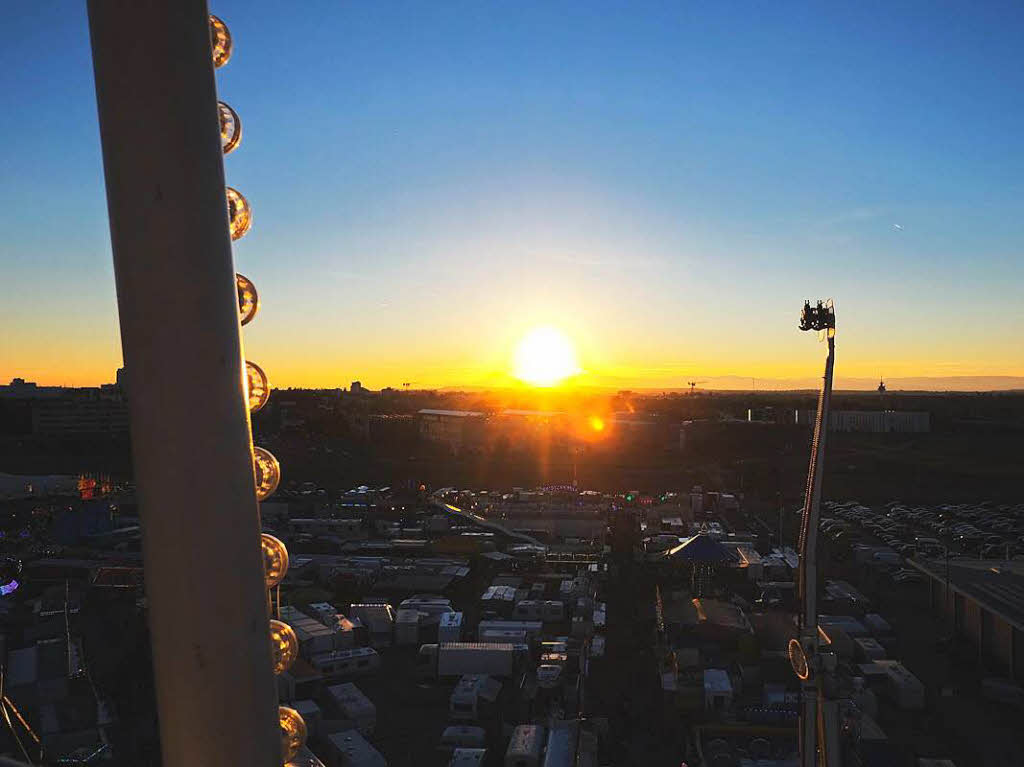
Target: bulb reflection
239,213
257,386
220,41
230,128
293,732
268,472
248,299
284,645
275,559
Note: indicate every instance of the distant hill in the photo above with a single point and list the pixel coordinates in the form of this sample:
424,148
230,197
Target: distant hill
600,384
914,383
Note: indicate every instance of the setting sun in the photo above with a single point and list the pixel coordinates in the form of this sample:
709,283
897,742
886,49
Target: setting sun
545,357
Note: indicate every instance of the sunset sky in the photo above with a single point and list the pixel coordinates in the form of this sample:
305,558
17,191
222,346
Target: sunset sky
664,183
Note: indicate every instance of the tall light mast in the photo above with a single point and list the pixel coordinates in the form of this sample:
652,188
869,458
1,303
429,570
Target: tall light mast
808,663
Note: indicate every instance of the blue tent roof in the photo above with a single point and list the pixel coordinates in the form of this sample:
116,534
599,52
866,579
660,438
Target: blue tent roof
702,548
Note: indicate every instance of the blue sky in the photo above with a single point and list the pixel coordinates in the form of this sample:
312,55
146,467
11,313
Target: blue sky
663,181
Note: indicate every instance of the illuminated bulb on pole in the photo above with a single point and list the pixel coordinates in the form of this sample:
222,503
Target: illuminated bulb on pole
293,732
275,560
248,299
268,472
230,128
239,213
220,41
257,386
284,645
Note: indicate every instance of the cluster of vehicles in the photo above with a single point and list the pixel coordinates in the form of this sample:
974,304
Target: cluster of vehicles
981,530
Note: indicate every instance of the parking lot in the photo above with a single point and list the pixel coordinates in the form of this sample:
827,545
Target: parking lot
983,530
958,721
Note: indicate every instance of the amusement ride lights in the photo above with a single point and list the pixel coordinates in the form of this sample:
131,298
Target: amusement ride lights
267,471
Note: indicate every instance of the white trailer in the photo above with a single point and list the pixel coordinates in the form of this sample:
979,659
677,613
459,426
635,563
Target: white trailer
499,599
350,749
526,746
717,689
354,706
457,658
407,626
470,695
467,757
528,609
902,687
379,620
313,636
462,736
582,627
561,746
358,661
502,636
545,610
450,628
431,605
345,633
533,629
868,649
324,612
878,625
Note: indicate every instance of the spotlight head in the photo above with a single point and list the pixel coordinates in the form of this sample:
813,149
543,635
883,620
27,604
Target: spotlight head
820,316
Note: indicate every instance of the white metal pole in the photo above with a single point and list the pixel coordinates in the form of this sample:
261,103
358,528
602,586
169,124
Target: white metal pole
812,686
190,431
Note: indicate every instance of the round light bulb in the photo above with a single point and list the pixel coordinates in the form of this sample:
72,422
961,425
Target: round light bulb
248,299
220,41
268,472
239,213
293,732
284,645
256,385
230,128
275,560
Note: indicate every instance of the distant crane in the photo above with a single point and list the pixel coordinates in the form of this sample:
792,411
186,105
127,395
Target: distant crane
693,385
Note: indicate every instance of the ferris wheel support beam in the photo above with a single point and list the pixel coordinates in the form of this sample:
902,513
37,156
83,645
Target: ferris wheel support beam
191,450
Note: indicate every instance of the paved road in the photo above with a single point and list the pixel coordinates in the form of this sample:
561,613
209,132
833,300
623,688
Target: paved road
629,689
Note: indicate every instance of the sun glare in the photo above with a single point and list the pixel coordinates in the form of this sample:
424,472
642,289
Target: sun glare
545,357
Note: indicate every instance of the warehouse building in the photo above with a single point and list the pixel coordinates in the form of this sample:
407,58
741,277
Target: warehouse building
871,421
456,429
986,605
